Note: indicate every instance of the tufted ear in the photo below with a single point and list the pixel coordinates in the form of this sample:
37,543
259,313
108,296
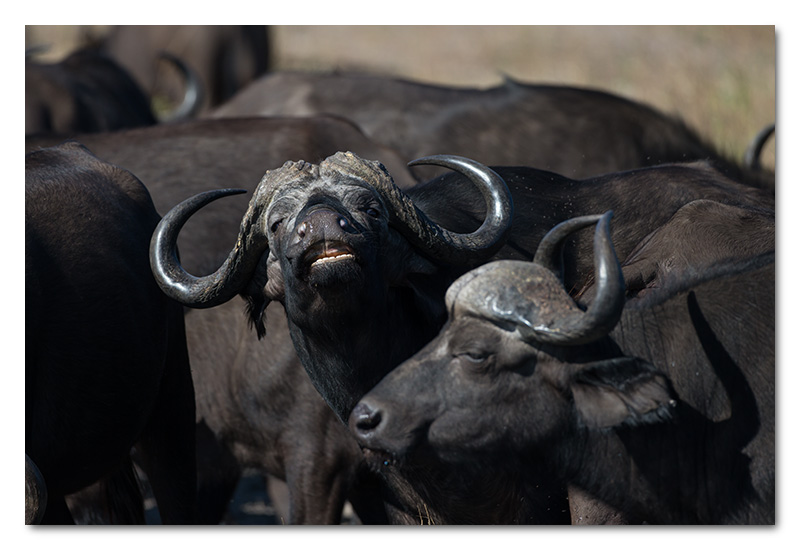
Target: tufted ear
265,286
620,391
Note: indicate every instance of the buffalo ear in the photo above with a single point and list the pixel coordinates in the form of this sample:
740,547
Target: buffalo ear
265,286
621,391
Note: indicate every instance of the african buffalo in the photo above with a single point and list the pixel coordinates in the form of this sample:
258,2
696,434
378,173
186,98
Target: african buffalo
90,92
362,267
225,57
660,403
256,407
576,132
106,365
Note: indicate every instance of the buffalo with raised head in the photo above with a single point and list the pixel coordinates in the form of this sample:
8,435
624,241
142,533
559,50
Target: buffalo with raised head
89,92
256,407
577,132
361,268
106,365
657,399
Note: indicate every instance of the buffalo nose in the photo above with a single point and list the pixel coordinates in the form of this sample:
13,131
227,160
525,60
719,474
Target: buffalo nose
320,220
364,418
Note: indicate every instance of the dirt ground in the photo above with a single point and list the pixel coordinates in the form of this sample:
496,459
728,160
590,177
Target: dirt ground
720,80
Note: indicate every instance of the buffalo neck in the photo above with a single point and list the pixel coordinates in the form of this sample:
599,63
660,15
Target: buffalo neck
346,353
709,462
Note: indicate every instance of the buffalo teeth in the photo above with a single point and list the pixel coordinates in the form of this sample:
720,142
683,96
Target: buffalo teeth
326,259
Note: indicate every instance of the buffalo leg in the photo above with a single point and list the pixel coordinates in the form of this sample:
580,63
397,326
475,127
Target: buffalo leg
316,495
167,446
218,472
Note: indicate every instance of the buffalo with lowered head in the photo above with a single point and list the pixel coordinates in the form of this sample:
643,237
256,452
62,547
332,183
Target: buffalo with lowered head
362,267
657,399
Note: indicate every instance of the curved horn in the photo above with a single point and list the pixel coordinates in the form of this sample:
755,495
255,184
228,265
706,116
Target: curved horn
549,254
440,243
606,309
229,279
752,157
193,96
35,493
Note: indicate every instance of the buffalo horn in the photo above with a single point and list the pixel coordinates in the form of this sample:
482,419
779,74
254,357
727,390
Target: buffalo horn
252,244
192,97
35,493
604,312
549,254
440,243
220,286
752,157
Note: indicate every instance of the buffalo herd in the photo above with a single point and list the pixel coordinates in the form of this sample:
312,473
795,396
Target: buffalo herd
529,304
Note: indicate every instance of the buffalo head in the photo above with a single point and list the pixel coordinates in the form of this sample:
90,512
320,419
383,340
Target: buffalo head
345,251
508,369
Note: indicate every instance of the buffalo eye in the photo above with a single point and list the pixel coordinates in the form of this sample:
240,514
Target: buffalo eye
475,356
274,227
373,212
475,360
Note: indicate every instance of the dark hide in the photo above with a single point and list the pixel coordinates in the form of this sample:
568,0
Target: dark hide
351,334
106,365
86,92
255,404
576,132
642,200
669,418
384,321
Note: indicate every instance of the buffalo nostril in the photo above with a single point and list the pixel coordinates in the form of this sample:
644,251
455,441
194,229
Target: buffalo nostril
301,230
365,417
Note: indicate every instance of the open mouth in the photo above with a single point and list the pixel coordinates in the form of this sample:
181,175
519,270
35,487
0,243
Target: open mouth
328,253
333,255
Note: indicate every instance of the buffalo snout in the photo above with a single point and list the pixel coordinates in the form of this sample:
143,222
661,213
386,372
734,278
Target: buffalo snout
369,424
365,421
321,223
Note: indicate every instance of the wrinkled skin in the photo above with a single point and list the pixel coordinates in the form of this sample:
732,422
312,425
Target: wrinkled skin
670,418
106,365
